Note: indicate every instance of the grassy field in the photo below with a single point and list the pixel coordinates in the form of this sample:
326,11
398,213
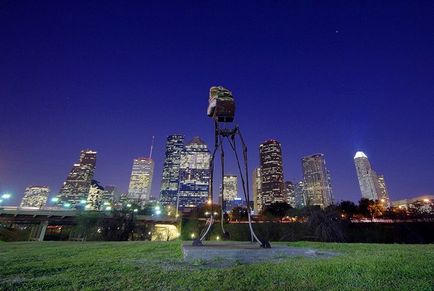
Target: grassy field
159,266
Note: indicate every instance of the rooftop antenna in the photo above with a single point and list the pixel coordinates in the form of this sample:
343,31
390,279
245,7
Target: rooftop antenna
152,147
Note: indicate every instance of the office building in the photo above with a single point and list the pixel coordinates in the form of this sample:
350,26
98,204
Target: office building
76,187
372,186
35,196
272,186
257,194
172,161
194,175
316,181
139,190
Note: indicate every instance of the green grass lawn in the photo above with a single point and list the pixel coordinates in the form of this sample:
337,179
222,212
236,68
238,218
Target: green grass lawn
159,266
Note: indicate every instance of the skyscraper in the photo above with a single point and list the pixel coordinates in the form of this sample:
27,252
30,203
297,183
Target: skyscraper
35,196
194,174
316,181
272,187
290,193
300,199
95,199
139,190
257,193
76,187
383,194
372,186
230,190
170,180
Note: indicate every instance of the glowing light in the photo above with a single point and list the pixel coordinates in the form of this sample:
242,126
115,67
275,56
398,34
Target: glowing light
192,235
215,213
83,201
158,212
87,206
128,205
67,205
6,196
426,200
177,215
108,208
55,199
218,238
206,213
209,202
360,155
157,208
106,203
135,210
1,200
383,200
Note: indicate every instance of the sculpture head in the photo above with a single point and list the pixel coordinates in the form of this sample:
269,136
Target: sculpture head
221,105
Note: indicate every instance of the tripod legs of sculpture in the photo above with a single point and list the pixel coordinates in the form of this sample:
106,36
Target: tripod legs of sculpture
230,135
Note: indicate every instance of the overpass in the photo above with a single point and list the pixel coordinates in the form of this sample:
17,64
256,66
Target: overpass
41,219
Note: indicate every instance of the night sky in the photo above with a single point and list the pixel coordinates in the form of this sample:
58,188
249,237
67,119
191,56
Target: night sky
319,76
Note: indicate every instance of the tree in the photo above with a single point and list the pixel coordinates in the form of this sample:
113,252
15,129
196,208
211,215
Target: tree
326,225
348,209
238,214
276,210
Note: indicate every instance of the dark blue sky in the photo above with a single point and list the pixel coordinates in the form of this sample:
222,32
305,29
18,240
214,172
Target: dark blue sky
319,76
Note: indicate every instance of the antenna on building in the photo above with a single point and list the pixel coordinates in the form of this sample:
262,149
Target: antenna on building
152,147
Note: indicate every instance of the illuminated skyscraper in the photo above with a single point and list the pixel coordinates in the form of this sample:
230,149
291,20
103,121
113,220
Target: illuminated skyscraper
170,180
300,200
95,199
194,174
257,193
139,190
76,187
290,193
372,186
272,187
230,190
35,196
383,194
316,181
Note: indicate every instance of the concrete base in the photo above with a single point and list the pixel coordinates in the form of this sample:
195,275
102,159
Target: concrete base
245,252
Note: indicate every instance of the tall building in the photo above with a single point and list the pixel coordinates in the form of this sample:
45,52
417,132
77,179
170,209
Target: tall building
383,194
290,193
272,187
257,193
76,187
35,196
95,199
170,180
139,190
316,181
194,175
230,190
300,199
372,186
112,193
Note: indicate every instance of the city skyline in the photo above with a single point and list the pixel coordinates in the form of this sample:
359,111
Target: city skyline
348,81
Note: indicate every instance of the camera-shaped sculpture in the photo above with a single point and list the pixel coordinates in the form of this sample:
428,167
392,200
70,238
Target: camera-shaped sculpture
221,105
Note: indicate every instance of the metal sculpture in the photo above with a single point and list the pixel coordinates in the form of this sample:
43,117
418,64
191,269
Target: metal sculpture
221,109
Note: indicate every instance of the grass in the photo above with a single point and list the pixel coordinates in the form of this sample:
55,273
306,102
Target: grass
159,266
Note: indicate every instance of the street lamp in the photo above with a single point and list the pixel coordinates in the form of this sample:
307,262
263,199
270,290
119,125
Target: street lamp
6,196
55,199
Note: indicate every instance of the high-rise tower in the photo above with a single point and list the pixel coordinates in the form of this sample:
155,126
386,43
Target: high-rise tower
194,175
257,192
76,187
35,196
372,186
316,181
139,190
272,187
170,180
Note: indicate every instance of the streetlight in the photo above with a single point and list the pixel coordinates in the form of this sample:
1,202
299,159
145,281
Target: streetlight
83,201
6,196
67,205
55,199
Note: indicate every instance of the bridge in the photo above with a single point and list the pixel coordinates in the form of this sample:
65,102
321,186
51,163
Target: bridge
41,219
